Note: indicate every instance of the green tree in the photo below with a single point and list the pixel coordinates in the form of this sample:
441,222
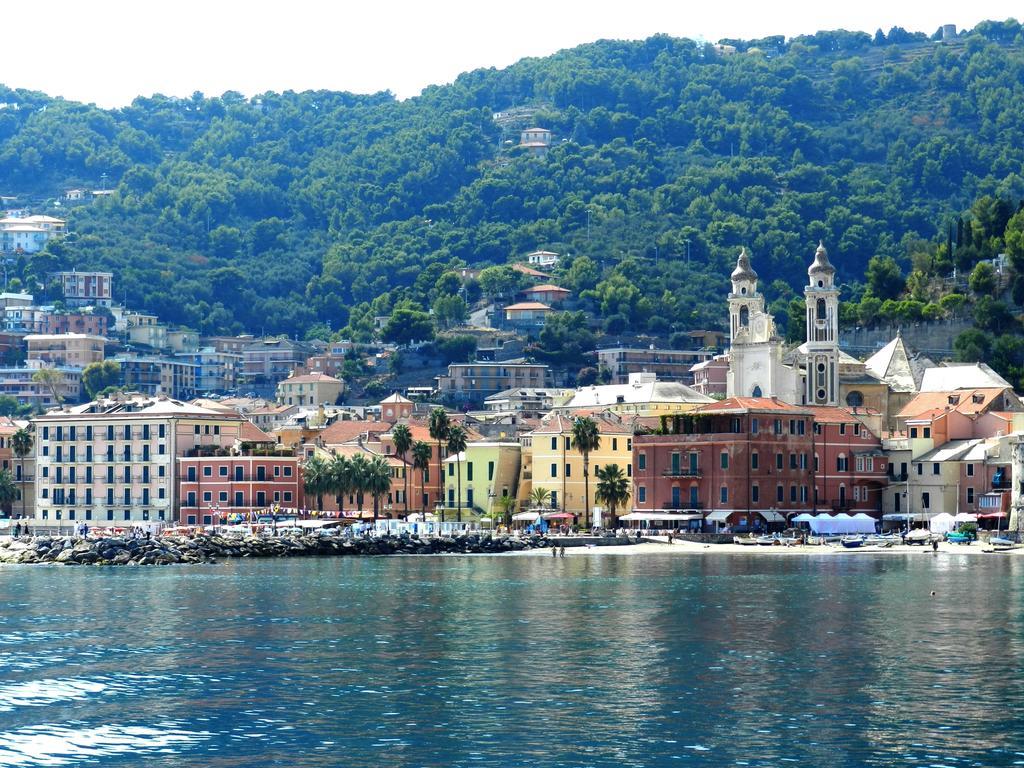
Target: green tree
539,497
499,282
586,437
99,376
421,454
316,478
884,277
992,315
377,482
406,326
972,346
565,339
8,492
457,439
340,479
613,489
450,311
401,436
359,479
21,447
982,280
52,379
456,349
868,310
439,426
507,506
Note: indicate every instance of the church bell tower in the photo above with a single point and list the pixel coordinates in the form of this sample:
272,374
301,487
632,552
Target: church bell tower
822,298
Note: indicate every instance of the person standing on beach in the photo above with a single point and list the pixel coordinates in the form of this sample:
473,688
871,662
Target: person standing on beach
561,551
554,550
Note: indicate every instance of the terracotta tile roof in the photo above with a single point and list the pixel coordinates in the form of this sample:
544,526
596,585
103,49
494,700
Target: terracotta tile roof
529,271
250,433
965,401
311,378
830,414
420,429
751,404
347,431
546,288
606,425
524,305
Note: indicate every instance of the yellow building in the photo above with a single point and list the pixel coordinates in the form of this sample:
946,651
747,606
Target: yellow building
310,389
490,471
557,466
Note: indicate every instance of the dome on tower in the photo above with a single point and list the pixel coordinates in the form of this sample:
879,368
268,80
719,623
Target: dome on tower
743,269
821,264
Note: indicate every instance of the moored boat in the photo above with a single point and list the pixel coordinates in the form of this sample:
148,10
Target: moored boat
853,542
746,541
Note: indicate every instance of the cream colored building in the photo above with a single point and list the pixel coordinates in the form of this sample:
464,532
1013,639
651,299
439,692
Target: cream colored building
310,389
644,395
74,350
111,462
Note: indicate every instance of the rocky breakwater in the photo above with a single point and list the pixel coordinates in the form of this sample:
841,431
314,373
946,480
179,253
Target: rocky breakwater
204,548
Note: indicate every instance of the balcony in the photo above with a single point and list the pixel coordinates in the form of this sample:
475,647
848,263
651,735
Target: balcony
681,472
681,506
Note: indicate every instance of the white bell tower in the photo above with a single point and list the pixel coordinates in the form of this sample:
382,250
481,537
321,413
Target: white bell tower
822,346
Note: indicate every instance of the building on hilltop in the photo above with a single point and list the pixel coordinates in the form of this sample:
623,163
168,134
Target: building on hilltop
310,389
85,288
666,364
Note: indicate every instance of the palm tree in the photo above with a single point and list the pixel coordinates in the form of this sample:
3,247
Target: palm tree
421,453
316,475
377,481
456,445
439,426
539,497
8,492
359,476
612,489
340,479
21,445
585,438
507,505
402,437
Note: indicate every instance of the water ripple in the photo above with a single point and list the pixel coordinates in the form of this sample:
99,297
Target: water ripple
54,745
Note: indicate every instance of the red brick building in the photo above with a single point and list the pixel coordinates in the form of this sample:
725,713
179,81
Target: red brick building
748,463
212,487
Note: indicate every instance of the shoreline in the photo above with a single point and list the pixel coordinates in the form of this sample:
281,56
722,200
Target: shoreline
681,547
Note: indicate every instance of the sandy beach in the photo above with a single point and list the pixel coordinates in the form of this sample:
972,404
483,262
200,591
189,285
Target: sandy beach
661,546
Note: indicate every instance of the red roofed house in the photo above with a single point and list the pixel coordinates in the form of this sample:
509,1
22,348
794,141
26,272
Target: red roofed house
546,294
527,314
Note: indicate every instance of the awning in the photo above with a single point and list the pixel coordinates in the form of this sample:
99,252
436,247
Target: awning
770,515
804,517
529,516
718,516
558,516
660,516
992,515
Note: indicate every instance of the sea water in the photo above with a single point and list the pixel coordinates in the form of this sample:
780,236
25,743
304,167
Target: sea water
590,660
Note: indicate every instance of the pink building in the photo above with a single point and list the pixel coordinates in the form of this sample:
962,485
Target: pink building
212,487
709,376
750,463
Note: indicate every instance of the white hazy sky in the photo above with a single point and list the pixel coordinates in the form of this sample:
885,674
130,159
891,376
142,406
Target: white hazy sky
109,51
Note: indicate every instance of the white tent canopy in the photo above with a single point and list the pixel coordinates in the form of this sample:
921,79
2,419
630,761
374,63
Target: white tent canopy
663,516
528,516
842,524
804,517
942,523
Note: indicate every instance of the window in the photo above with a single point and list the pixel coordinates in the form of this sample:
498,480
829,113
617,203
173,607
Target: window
970,470
778,461
197,429
725,460
615,443
641,461
145,431
860,463
925,501
127,431
287,470
753,426
554,443
723,494
190,474
736,425
792,426
490,470
223,496
842,429
554,470
842,463
778,426
755,494
792,461
46,433
780,493
207,496
927,432
913,431
207,471
223,470
160,431
803,494
753,460
801,427
856,493
792,493
641,494
817,428
239,500
970,495
856,429
451,470
935,467
568,470
469,470
110,436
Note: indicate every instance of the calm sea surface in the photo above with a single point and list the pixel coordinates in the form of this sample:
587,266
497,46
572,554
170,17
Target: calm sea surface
587,661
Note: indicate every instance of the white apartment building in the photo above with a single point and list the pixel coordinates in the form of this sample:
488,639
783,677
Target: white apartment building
111,462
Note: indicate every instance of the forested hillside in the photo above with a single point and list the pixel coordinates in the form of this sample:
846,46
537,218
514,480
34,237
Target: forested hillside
310,213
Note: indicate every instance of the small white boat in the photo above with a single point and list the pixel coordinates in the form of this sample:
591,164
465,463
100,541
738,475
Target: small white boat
746,541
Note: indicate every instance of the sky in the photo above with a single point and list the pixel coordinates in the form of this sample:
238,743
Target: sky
109,51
